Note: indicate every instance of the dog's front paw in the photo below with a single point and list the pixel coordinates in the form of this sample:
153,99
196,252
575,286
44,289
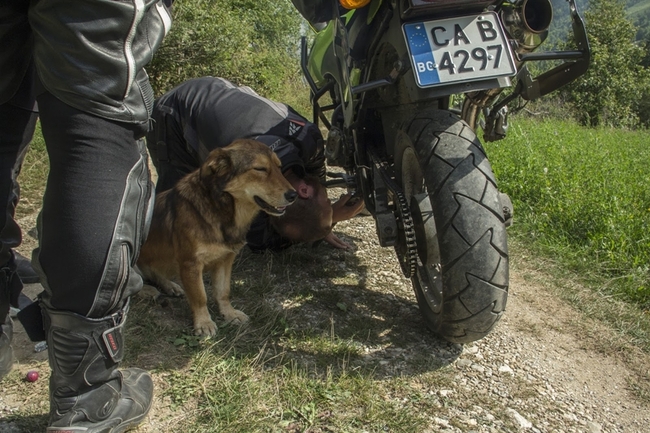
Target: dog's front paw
236,317
172,289
205,328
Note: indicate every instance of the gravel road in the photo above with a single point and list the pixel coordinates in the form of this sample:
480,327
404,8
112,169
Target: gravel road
545,367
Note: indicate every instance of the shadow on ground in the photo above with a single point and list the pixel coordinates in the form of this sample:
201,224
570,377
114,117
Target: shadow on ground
320,308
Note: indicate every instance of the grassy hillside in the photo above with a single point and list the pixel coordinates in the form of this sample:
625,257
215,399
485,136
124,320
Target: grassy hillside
637,12
636,8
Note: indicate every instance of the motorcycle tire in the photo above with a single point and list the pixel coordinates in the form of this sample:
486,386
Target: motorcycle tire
460,271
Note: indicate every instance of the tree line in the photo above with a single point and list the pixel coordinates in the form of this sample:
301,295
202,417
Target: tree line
616,89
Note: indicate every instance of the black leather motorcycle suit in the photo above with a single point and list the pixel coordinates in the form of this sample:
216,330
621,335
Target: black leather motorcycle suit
93,91
90,54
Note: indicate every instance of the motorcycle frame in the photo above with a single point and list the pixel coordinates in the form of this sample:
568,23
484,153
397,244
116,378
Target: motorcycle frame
368,155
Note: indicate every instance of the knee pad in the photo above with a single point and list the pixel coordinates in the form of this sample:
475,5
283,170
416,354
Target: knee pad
120,280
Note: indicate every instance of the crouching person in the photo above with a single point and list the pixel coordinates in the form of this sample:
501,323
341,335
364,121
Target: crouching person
204,113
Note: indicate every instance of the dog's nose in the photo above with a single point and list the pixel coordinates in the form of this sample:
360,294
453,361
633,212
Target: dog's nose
290,196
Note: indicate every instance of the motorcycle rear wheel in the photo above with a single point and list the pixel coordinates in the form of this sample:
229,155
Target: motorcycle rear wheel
460,275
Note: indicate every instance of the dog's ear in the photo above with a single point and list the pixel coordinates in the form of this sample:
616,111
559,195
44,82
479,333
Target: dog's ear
217,165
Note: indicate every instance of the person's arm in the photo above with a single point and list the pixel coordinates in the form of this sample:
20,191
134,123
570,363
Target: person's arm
334,241
346,207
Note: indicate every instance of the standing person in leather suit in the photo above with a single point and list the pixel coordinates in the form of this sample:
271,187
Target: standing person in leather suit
202,114
82,62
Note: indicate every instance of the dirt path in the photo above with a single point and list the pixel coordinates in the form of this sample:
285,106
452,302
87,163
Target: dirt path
548,373
545,368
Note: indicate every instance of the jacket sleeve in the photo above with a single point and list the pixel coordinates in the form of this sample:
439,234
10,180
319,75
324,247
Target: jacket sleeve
310,145
290,155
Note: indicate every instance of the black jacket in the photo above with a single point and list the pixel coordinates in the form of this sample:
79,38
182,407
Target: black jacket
212,112
90,54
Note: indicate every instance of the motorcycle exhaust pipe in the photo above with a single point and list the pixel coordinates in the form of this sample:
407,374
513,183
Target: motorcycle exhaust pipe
527,22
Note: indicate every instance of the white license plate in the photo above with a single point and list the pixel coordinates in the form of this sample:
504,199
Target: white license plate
458,49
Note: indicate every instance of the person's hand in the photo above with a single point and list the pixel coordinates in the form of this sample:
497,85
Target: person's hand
334,241
346,207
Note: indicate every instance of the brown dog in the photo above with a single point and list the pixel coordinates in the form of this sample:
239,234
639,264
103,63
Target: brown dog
200,225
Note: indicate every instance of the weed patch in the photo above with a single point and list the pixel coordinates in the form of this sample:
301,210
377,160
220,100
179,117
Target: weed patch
582,196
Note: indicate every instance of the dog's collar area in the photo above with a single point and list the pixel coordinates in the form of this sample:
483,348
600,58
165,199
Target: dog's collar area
271,210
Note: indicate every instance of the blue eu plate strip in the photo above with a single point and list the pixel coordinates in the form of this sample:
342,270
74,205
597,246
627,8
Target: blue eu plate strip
421,53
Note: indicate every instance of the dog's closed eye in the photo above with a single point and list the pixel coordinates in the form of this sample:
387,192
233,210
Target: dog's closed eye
262,169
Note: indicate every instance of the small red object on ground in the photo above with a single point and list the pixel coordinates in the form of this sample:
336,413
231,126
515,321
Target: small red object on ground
32,376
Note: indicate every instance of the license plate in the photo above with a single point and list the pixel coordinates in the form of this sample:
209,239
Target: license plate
459,49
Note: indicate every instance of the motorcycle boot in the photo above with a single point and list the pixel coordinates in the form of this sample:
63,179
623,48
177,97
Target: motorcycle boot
6,352
10,288
25,270
88,393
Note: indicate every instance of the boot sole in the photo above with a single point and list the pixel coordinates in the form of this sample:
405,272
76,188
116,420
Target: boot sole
123,427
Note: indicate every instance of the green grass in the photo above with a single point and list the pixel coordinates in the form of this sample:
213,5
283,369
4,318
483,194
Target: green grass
33,175
581,196
236,394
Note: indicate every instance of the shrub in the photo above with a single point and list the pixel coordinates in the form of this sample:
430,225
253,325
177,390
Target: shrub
610,92
250,43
